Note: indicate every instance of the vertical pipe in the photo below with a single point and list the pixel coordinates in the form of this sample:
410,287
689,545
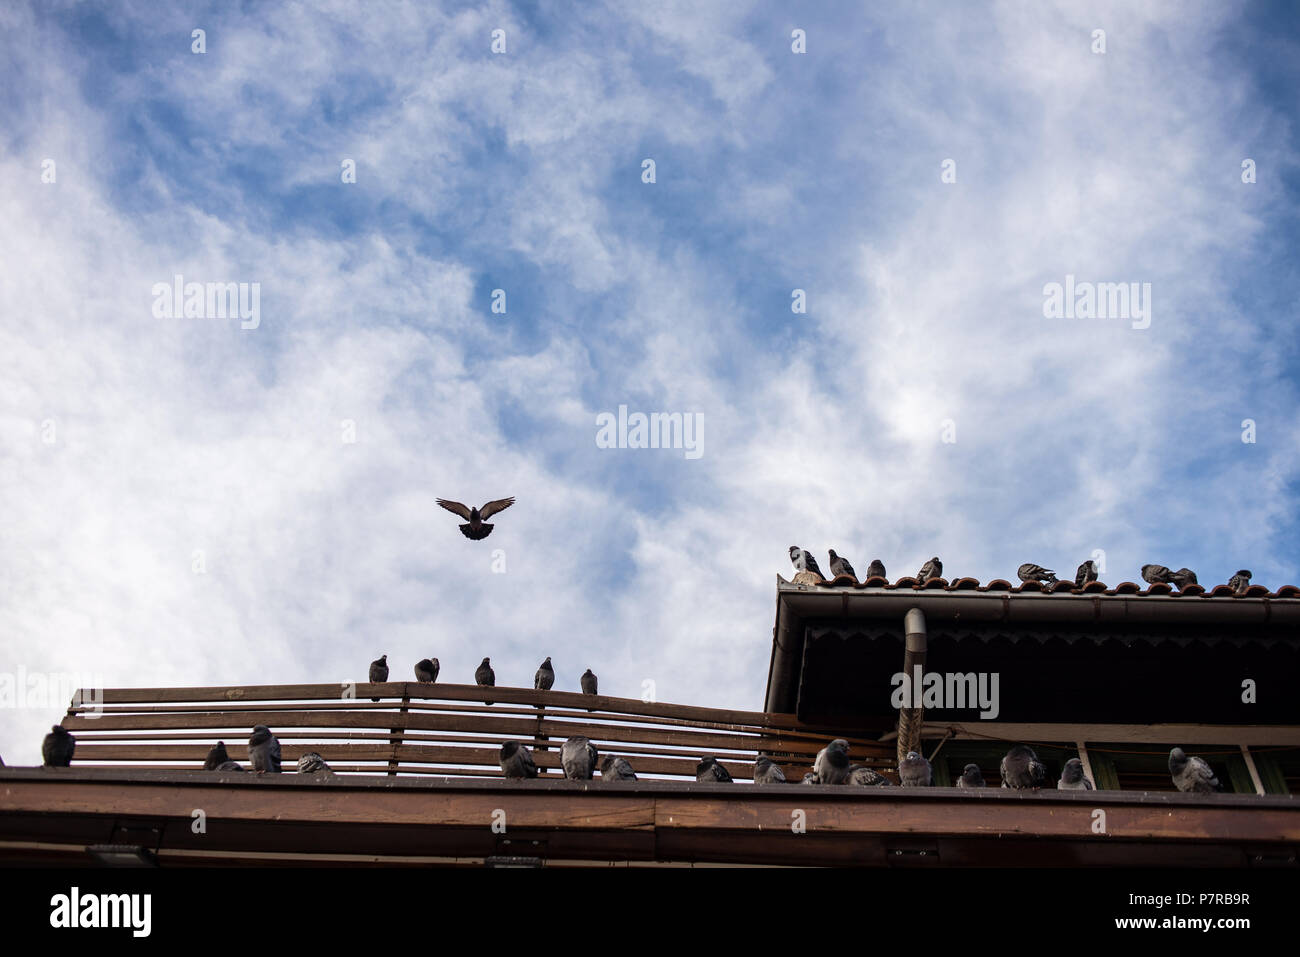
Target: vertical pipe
914,645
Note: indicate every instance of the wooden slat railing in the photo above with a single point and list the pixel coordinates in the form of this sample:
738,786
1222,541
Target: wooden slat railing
438,729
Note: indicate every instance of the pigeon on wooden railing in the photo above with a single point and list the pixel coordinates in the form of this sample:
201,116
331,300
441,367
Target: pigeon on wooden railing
1184,577
971,777
545,676
517,761
313,763
426,670
831,766
1021,769
485,676
1240,582
615,768
1192,773
216,757
931,569
264,750
578,757
1157,574
474,517
876,569
1029,572
866,777
914,771
809,778
807,572
709,770
765,772
840,566
229,766
1073,778
379,671
588,683
1086,574
57,748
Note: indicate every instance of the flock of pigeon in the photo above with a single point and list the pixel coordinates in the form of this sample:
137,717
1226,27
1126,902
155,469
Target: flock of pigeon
426,672
810,573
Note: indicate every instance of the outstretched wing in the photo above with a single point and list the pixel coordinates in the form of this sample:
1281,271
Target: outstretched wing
456,507
490,509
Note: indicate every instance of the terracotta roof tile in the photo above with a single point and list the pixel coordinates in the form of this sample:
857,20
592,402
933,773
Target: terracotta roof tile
1158,590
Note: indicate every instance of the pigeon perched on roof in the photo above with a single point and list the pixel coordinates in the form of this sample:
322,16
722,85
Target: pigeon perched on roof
216,757
264,750
1240,582
545,676
1021,769
1157,574
475,527
914,771
379,671
57,748
578,757
426,670
840,566
931,569
485,676
832,763
971,777
876,569
229,766
517,761
1086,574
1192,773
1073,778
1029,572
615,768
766,772
807,572
709,770
313,763
1184,577
809,778
588,683
867,778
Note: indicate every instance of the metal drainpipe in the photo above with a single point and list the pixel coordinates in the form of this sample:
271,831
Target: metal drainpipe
909,719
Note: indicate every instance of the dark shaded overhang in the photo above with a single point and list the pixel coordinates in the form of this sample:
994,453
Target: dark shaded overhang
1087,644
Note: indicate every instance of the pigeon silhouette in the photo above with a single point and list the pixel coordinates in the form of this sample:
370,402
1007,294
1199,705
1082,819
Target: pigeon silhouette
1029,572
914,771
709,770
485,676
1073,778
1184,577
1239,582
876,569
578,757
517,761
426,670
971,777
765,772
545,676
57,748
1157,574
379,671
840,566
1021,769
615,768
831,765
1087,573
931,569
264,750
1192,773
474,517
216,757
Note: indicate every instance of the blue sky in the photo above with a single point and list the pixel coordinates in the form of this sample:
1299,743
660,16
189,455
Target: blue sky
128,442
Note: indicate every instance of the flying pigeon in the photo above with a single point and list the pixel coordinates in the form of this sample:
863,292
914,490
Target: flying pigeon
865,777
840,566
476,529
485,676
914,771
876,569
809,778
1073,778
931,569
578,757
832,763
57,748
765,772
1184,577
216,757
229,766
1021,769
1157,574
971,777
545,676
517,761
1029,572
615,768
805,565
379,671
264,750
1239,582
426,670
709,770
313,763
1086,574
1192,774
